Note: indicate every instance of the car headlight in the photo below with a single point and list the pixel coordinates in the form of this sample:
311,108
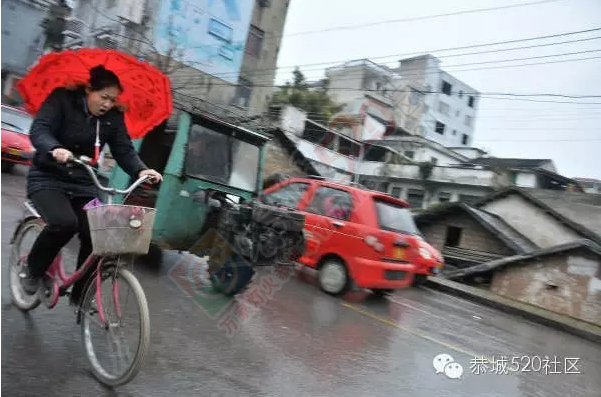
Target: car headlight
425,253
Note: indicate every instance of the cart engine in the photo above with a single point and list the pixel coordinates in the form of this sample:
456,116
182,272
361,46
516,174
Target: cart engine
256,235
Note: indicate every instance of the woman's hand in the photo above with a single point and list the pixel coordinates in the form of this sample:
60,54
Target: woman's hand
156,177
61,155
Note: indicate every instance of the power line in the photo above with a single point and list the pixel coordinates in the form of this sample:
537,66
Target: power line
422,18
403,55
483,94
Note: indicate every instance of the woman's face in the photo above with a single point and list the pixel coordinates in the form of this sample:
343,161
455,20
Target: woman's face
100,102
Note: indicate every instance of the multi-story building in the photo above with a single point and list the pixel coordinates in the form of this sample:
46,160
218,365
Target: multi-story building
450,105
219,54
22,40
418,97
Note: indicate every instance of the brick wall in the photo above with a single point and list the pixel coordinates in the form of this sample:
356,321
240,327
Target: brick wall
277,160
576,275
473,235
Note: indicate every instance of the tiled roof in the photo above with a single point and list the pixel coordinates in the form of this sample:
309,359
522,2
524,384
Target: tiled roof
499,263
579,211
493,223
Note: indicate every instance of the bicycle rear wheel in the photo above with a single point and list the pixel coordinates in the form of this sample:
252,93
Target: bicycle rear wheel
26,236
90,309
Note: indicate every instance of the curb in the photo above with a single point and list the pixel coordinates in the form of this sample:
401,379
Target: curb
561,322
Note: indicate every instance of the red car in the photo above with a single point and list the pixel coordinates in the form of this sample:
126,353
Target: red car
16,146
356,236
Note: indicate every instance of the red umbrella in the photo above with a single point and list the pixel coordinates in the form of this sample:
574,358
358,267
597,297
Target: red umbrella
146,96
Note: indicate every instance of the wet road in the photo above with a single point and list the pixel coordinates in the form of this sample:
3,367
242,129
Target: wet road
300,343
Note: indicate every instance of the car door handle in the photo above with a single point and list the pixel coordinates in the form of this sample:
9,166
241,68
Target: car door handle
337,224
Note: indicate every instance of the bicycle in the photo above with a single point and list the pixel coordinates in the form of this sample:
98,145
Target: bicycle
115,230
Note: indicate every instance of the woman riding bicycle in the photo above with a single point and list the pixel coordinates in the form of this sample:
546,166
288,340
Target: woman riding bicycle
69,123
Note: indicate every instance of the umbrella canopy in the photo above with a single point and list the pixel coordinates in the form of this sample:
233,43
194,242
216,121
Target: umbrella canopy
146,90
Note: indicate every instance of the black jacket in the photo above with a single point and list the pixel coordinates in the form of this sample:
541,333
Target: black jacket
63,121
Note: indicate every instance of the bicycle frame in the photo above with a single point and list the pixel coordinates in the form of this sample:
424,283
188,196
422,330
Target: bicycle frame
56,272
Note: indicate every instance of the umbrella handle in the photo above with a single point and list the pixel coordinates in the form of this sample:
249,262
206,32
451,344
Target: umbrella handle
96,144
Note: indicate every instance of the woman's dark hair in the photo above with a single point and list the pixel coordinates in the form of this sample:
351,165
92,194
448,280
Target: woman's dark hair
101,78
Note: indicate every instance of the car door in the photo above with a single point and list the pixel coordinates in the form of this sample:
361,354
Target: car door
328,230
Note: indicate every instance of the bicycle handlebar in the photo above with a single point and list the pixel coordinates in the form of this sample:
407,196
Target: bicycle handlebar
84,161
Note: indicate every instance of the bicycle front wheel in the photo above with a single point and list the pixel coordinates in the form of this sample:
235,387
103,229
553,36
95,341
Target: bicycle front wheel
112,307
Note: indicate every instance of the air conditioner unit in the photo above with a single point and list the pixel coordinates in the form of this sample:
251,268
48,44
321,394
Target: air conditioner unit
109,44
74,28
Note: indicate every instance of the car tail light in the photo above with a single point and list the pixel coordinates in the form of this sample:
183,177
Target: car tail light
373,242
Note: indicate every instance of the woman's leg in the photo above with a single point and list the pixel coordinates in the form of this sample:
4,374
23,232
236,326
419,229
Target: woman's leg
61,225
85,246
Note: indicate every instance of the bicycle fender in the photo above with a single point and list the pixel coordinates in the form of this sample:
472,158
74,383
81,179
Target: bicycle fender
20,226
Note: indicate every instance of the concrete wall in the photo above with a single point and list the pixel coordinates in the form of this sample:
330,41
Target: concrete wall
277,160
473,235
22,36
577,277
532,222
434,194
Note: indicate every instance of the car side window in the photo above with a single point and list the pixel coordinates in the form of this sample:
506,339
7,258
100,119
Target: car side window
334,203
288,195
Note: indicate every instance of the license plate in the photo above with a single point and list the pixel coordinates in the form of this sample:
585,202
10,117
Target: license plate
399,253
14,152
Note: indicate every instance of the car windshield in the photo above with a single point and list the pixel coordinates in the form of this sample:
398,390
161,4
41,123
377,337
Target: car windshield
16,121
222,159
395,218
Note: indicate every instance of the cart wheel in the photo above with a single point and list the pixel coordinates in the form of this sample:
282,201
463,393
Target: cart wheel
233,277
154,258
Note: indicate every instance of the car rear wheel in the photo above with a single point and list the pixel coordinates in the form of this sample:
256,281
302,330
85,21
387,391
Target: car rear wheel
419,279
333,277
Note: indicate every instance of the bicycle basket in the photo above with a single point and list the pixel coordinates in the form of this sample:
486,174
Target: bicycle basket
120,229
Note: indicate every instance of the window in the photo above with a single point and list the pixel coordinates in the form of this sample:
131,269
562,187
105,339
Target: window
444,197
334,203
439,128
243,93
289,195
254,42
468,120
454,132
446,88
409,153
457,113
415,197
395,218
220,158
396,192
470,101
443,108
434,160
464,139
453,237
460,94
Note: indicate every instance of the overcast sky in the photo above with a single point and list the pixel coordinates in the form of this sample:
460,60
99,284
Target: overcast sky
568,133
